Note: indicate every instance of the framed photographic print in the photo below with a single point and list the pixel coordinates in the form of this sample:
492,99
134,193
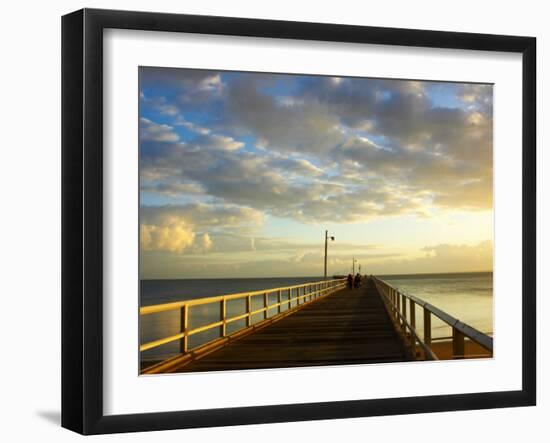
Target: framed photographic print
269,221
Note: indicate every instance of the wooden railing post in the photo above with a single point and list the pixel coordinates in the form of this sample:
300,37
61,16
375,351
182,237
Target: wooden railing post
223,312
266,304
458,343
404,312
398,305
427,328
412,313
249,310
279,301
412,316
184,344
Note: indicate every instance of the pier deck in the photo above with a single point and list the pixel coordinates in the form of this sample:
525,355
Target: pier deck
347,327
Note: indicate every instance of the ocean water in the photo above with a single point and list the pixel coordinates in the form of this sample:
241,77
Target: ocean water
468,297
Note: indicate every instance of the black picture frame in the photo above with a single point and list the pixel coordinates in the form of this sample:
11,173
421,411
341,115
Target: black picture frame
82,218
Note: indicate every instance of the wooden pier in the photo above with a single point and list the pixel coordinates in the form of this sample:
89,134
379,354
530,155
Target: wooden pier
315,324
348,327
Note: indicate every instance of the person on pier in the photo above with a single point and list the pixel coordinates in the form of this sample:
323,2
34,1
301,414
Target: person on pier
350,281
357,281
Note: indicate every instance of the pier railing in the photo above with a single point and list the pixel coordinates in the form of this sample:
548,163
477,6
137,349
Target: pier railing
289,299
405,319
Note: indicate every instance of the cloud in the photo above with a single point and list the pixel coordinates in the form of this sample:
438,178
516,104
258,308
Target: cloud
214,141
231,242
173,188
204,215
151,131
186,87
276,184
326,148
184,228
159,104
174,235
203,245
340,261
289,125
180,121
442,258
479,97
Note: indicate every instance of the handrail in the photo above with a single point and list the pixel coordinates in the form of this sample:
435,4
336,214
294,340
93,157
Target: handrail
310,292
151,309
396,304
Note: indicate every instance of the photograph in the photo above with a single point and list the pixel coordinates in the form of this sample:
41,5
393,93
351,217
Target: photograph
297,220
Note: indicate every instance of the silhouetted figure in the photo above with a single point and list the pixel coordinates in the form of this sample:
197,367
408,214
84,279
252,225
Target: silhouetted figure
357,281
350,281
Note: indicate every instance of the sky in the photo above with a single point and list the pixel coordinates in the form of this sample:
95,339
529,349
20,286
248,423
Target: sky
242,173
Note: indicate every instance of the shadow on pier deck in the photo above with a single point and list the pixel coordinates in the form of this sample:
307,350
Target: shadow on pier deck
347,327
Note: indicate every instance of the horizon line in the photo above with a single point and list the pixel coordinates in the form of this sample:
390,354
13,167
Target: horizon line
320,276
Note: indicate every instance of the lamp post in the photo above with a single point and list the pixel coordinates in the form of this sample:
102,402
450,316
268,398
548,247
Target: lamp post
326,247
353,266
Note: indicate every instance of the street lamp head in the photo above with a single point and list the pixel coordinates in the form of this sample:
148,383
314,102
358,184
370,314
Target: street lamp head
332,238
